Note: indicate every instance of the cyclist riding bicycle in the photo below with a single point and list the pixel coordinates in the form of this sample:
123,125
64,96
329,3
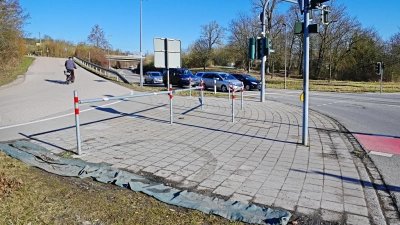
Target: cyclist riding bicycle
70,66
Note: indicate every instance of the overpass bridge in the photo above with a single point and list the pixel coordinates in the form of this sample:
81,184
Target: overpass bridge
124,58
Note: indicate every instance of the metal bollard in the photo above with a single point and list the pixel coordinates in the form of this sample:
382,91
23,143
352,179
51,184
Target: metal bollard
215,86
242,92
233,105
229,90
190,86
170,104
202,93
78,133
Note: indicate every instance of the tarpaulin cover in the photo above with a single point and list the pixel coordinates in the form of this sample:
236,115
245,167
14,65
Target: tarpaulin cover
40,157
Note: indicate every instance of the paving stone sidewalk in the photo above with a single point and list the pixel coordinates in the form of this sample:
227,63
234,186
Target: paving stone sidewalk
258,158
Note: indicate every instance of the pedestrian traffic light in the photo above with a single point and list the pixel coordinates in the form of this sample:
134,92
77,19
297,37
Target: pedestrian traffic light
268,44
259,48
252,48
378,68
325,14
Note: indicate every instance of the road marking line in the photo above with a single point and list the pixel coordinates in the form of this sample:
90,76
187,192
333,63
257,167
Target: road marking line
380,153
56,117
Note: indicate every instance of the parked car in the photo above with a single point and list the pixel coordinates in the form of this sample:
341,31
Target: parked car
153,77
222,80
249,81
180,77
199,74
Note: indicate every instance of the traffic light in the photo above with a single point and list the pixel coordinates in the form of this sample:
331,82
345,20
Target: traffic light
259,48
378,68
315,3
268,44
252,48
325,14
383,65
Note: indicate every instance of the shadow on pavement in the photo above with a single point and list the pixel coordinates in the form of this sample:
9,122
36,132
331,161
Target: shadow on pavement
55,81
367,184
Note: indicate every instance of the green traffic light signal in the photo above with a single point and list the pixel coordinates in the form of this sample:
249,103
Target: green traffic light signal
252,48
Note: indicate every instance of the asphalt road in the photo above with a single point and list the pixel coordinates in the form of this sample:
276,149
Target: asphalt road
43,95
369,113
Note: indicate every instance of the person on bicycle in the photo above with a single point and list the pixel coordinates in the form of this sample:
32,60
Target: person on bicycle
70,66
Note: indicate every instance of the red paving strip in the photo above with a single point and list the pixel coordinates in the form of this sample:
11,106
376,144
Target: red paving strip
380,144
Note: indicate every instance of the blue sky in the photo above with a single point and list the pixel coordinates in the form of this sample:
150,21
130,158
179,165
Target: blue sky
73,20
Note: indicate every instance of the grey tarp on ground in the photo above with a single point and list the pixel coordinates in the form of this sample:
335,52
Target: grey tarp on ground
40,157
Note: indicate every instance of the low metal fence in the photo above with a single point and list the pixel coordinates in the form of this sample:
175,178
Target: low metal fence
100,70
169,92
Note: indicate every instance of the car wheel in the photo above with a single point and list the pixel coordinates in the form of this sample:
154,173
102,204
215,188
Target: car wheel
152,81
205,87
247,87
180,84
145,81
223,88
165,84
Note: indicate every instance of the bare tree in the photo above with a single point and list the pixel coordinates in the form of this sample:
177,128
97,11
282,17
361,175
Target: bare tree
97,38
212,35
241,29
12,18
258,7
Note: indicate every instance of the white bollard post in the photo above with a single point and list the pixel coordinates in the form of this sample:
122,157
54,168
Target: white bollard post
242,91
229,90
170,104
233,105
78,134
190,86
215,86
202,93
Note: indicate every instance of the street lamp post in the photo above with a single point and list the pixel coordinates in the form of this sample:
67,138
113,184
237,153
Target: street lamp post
330,55
263,57
285,56
109,50
141,56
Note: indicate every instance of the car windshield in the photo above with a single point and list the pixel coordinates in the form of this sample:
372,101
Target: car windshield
227,76
250,78
186,72
155,74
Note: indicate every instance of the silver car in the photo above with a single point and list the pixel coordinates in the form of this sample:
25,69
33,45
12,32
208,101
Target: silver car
153,77
222,81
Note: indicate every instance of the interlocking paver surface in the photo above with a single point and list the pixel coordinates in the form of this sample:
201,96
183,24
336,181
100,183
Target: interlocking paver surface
258,158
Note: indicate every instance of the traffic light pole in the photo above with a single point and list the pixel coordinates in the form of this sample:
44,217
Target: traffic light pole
263,58
306,72
381,79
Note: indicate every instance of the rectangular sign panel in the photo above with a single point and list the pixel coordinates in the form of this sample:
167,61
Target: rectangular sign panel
167,53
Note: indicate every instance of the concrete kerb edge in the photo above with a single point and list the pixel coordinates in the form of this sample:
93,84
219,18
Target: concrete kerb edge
373,197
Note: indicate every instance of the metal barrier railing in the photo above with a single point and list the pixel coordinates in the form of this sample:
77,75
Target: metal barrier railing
169,92
99,69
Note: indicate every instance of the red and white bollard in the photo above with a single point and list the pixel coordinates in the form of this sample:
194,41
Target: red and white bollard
190,86
78,134
170,104
233,105
242,92
202,92
229,90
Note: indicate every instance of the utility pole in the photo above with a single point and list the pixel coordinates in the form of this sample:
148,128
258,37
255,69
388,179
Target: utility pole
141,55
40,44
306,69
285,54
263,58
